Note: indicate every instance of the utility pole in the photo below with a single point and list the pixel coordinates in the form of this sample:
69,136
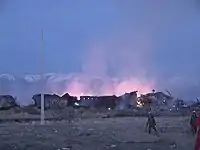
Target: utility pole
42,81
0,86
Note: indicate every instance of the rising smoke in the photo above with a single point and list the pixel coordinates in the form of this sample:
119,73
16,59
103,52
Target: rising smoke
115,66
143,45
149,49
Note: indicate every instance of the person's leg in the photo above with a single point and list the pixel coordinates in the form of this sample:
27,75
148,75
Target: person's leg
193,129
196,146
197,143
149,129
154,128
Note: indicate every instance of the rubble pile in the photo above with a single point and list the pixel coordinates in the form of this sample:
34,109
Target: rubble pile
158,102
7,102
52,101
155,101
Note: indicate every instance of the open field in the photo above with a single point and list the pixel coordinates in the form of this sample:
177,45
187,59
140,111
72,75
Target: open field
124,133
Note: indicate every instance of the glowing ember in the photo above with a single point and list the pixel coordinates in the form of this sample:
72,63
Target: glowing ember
139,104
77,104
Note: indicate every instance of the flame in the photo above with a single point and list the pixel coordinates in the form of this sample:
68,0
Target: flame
139,104
82,94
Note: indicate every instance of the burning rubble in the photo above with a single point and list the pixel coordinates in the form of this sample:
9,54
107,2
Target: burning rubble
150,101
155,101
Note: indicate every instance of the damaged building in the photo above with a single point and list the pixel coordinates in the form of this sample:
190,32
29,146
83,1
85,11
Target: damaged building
7,102
55,101
157,100
68,100
50,100
128,100
98,102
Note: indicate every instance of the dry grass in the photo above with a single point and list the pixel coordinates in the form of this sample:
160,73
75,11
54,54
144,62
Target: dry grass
98,133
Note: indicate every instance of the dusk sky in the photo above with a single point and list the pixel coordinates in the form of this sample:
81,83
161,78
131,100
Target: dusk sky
158,40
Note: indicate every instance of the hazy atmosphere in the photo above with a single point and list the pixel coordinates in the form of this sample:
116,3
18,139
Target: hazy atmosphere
102,47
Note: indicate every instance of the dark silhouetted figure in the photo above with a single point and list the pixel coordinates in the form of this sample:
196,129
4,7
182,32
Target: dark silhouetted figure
197,141
151,124
193,122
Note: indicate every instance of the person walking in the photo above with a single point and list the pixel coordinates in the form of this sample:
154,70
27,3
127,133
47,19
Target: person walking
193,122
197,139
151,123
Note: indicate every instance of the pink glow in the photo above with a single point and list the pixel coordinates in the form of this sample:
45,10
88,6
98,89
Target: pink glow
109,86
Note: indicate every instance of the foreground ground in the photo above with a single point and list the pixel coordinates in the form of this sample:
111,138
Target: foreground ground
125,133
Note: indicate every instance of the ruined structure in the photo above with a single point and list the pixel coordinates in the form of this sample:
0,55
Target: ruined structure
55,101
50,100
67,100
157,100
7,102
195,105
98,101
128,100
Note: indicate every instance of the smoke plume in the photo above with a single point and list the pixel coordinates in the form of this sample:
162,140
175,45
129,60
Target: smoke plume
104,47
150,49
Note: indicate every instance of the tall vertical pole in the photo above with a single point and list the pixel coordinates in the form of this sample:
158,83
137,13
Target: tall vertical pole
0,86
42,80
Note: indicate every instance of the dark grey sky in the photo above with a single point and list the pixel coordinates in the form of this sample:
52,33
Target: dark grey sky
157,39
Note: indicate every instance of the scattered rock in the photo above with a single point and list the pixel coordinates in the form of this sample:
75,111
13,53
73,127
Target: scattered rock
112,146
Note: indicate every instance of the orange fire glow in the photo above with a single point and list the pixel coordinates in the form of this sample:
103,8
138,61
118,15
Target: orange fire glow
109,86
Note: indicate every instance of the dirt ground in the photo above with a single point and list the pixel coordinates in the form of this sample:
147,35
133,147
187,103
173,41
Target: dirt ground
125,133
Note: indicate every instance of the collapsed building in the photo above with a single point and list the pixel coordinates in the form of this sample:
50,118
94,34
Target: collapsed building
49,100
108,102
127,100
179,104
68,100
7,102
54,101
157,100
193,105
